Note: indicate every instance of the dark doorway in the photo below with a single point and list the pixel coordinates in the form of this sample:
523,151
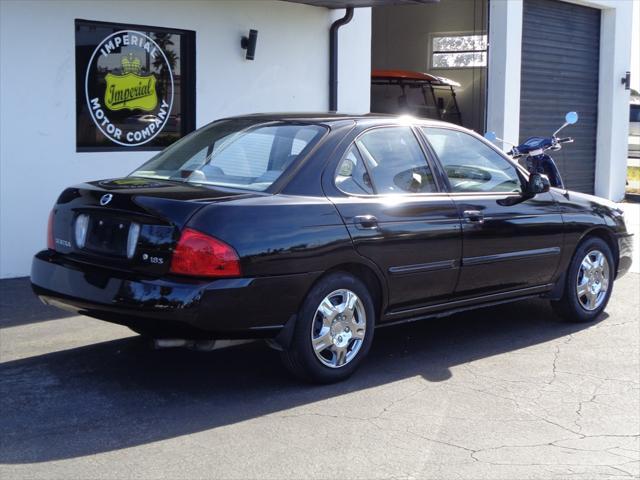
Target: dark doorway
446,39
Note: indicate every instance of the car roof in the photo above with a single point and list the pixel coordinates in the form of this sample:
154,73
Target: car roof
333,117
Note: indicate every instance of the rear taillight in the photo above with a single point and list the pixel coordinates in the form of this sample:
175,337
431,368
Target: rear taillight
201,255
51,243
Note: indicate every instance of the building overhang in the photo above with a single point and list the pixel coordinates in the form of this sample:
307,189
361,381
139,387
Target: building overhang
333,4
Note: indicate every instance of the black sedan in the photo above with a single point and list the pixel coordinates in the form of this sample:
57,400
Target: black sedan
310,230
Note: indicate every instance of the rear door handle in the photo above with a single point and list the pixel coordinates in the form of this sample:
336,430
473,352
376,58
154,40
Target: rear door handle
366,222
473,216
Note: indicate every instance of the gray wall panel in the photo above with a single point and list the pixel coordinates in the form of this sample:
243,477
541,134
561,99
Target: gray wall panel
560,63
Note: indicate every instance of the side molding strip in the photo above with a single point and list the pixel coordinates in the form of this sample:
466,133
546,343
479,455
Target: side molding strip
501,257
422,267
416,313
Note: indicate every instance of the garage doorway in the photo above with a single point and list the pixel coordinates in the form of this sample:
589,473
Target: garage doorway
446,39
560,65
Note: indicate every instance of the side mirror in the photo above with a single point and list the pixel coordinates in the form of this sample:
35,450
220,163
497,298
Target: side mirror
491,136
571,118
537,183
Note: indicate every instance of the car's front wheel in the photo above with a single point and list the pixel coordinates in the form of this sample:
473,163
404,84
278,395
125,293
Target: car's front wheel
589,282
333,331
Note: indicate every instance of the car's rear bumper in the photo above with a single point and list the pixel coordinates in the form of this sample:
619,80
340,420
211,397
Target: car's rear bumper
625,249
172,307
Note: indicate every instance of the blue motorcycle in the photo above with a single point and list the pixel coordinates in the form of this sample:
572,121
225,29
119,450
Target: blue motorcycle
534,151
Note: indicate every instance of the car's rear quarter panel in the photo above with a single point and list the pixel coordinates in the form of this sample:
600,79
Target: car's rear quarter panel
285,244
279,235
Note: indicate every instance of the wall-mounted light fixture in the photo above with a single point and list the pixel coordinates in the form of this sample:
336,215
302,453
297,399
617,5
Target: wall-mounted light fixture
626,81
249,44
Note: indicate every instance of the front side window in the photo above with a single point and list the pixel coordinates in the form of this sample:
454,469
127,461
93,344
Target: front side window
242,153
386,161
470,165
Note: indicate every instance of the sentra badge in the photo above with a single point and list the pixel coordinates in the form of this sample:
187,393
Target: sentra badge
129,86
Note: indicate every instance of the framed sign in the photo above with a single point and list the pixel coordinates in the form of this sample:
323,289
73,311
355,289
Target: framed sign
135,86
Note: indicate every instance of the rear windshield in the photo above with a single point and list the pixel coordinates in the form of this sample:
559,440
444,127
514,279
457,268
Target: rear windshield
241,153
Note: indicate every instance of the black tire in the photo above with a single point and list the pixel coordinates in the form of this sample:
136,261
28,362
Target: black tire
570,307
300,358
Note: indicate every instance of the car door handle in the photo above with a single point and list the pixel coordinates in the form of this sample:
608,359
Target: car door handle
366,222
473,216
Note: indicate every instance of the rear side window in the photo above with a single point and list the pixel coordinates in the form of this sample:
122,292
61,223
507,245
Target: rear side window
389,161
470,165
352,176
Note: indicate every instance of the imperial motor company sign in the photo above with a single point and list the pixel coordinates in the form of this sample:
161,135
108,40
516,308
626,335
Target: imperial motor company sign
120,77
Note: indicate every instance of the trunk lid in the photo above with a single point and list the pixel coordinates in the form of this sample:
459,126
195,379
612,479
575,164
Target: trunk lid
131,224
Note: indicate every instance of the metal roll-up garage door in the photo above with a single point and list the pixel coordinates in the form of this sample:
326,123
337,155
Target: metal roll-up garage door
560,61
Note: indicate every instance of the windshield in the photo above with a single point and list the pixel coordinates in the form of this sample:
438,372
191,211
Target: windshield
241,153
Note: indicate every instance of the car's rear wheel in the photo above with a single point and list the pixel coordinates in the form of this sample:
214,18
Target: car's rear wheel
333,331
589,282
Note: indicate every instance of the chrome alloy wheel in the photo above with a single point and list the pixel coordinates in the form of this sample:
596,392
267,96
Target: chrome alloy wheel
593,280
338,328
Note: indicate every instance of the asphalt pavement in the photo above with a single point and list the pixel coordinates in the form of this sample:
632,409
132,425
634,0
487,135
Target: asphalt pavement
507,392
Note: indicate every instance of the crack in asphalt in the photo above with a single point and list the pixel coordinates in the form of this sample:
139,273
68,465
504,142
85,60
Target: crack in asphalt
475,454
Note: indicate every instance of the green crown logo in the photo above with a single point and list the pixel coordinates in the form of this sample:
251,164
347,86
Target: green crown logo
131,64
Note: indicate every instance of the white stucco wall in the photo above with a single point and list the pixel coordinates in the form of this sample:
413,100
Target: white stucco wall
503,109
635,47
613,99
37,90
354,61
503,85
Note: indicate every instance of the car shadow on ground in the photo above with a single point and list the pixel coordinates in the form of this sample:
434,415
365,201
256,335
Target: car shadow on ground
20,306
121,393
